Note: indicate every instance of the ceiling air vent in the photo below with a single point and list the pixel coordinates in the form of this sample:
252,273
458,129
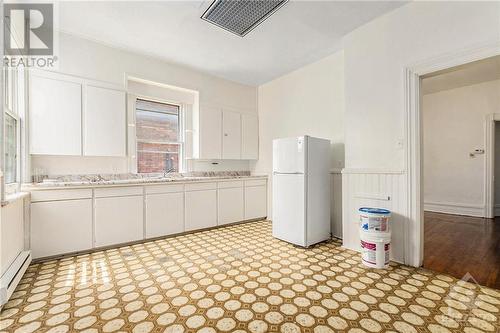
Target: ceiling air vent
240,16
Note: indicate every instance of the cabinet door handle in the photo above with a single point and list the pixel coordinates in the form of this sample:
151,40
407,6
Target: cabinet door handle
225,134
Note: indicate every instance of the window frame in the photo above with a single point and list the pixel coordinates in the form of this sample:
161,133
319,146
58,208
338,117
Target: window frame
180,143
11,108
14,186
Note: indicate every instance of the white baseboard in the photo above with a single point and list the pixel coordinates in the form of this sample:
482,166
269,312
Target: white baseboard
10,279
455,208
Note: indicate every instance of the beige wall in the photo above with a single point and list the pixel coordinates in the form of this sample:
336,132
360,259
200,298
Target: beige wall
308,101
453,126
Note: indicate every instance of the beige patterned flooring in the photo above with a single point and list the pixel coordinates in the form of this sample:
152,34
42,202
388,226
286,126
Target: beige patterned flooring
240,278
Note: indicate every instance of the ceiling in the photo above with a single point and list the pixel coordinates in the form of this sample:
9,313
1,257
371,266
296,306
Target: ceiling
299,33
461,76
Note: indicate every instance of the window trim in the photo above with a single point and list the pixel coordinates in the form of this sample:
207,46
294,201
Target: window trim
13,187
11,108
181,142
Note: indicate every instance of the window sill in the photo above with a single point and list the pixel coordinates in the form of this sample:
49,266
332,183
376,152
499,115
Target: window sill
11,198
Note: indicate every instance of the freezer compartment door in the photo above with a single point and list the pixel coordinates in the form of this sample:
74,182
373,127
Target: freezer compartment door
289,155
289,208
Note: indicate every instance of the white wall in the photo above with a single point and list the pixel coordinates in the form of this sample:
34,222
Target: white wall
82,57
377,53
308,101
375,57
453,126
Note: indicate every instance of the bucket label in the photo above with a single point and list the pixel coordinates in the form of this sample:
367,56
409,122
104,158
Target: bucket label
369,252
371,223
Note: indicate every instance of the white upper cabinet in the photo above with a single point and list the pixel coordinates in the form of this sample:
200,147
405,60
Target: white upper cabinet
249,137
231,137
216,133
210,129
59,102
104,122
55,115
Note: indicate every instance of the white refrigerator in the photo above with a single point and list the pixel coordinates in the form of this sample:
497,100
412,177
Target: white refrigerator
301,190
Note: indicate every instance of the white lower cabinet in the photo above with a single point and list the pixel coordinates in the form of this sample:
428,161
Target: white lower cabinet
255,202
118,220
59,227
164,214
201,209
230,205
71,220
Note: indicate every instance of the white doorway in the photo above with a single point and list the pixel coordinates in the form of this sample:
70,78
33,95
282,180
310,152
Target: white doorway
459,141
415,226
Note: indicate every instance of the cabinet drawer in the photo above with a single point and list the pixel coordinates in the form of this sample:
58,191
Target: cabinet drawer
157,189
117,191
230,184
52,195
201,186
255,182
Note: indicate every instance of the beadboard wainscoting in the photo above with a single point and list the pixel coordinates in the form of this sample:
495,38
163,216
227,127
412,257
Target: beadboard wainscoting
336,202
374,188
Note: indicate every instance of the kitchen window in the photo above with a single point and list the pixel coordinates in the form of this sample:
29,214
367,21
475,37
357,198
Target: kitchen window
13,95
11,148
159,137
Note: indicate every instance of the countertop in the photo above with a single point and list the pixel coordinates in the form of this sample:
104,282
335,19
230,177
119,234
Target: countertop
83,183
11,198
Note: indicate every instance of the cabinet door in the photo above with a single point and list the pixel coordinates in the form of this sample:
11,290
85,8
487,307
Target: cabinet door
11,233
118,220
164,214
210,133
200,209
59,227
249,137
255,202
55,116
231,139
231,205
104,122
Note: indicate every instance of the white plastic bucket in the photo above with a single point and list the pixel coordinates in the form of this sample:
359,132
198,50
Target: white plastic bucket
374,219
375,249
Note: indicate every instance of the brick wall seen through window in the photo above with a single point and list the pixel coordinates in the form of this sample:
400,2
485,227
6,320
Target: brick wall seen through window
159,145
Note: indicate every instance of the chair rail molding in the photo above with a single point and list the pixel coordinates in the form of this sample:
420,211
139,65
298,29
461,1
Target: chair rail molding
413,145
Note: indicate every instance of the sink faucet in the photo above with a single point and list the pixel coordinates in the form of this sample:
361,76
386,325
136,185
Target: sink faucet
168,172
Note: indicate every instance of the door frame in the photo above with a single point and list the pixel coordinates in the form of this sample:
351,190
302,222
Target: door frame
414,237
489,165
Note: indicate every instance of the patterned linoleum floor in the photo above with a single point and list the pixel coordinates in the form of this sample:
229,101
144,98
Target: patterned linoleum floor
240,278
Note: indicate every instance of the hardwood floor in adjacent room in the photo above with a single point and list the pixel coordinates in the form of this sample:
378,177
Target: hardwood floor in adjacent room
458,245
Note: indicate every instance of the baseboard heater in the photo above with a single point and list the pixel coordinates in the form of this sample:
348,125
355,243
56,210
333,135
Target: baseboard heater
10,279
